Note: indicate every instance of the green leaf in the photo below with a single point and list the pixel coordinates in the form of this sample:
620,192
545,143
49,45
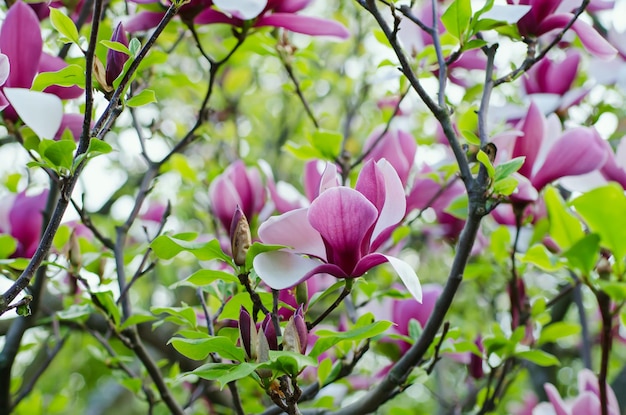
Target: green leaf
603,210
145,97
484,159
290,363
539,256
456,18
116,46
505,186
205,277
8,245
76,312
167,247
199,349
69,76
458,207
328,143
97,147
556,331
137,319
224,373
614,289
329,338
104,300
60,154
64,25
583,255
134,46
565,229
508,168
184,316
539,357
500,244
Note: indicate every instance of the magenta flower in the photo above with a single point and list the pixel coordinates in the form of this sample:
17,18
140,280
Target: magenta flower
586,403
397,146
339,233
148,19
615,167
546,16
236,186
551,153
553,81
403,311
22,218
273,13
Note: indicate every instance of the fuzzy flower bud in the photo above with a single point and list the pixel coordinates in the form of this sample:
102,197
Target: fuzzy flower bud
115,59
296,334
240,238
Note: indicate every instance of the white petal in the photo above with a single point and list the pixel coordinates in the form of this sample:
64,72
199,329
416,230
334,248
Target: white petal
41,111
243,9
5,68
281,269
509,13
407,275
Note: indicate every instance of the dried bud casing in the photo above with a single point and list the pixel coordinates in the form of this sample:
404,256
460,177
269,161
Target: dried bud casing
263,354
296,334
240,237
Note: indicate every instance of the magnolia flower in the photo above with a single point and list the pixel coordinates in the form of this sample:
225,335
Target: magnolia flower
22,217
615,167
548,15
274,13
21,44
115,59
339,233
236,186
148,19
586,403
551,82
397,146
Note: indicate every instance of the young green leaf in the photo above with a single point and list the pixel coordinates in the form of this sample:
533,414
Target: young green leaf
64,25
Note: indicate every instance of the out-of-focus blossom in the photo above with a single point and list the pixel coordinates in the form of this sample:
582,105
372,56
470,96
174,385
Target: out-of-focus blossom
403,311
22,218
148,19
273,13
116,60
236,186
339,234
615,167
551,81
586,403
22,45
550,152
546,16
397,146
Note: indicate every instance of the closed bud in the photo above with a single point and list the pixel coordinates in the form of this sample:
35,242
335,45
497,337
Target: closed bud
267,326
247,333
296,334
240,237
73,252
115,59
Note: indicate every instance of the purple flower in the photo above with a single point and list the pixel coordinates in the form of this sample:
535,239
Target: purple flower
236,186
586,403
615,167
403,311
274,13
22,218
339,233
548,15
115,59
551,153
397,146
149,19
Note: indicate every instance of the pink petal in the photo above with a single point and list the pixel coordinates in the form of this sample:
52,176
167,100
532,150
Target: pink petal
525,191
306,25
613,169
20,41
211,16
405,310
293,230
560,408
26,217
533,128
287,6
394,207
282,269
224,200
590,38
344,218
397,146
72,122
586,404
578,151
144,20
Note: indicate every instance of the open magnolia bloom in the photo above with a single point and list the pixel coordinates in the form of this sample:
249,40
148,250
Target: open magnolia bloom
339,233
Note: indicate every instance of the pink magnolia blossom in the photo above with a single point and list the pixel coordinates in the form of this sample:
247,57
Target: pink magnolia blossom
546,16
339,234
615,167
397,146
274,13
148,19
22,218
403,311
237,186
586,403
552,81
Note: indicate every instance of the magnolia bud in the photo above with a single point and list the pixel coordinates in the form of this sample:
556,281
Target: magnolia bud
267,327
240,237
296,334
73,252
247,333
115,59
